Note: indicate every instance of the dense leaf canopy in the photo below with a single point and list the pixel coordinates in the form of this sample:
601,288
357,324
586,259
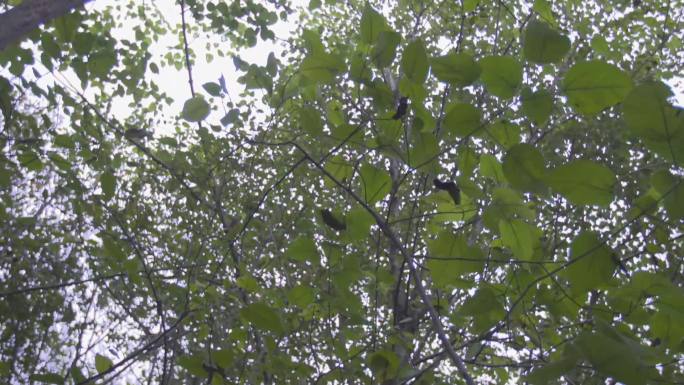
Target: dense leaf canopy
402,192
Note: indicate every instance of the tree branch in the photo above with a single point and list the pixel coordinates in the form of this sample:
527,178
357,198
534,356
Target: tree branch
29,15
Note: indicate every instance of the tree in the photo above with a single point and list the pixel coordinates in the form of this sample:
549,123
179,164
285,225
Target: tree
411,192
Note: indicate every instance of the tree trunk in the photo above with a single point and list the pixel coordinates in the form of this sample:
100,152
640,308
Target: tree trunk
29,15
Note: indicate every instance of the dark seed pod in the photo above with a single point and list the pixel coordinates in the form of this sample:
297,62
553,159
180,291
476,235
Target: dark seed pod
449,187
331,221
401,108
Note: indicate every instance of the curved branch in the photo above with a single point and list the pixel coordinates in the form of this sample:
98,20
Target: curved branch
29,15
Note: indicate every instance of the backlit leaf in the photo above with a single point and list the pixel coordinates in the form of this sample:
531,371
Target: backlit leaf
583,182
594,86
543,44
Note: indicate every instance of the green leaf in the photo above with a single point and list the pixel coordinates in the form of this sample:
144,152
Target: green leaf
501,75
302,249
312,41
272,64
543,44
458,69
467,161
462,119
484,308
592,264
543,8
504,133
491,168
212,88
102,363
654,120
537,106
594,86
231,117
108,184
195,109
358,223
375,183
384,364
339,168
385,49
451,257
615,355
224,357
671,189
518,237
470,5
301,296
414,62
100,63
248,283
524,168
194,364
30,160
311,122
424,151
551,371
335,113
372,23
262,317
321,67
47,378
506,204
583,182
313,4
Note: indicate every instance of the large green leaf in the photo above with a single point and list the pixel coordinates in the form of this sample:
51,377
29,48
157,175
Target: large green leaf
583,182
194,364
375,183
301,296
537,106
459,69
616,355
501,75
491,168
484,307
592,264
503,133
102,363
462,119
322,67
671,188
262,317
595,85
372,24
543,44
414,62
548,373
651,117
302,249
358,223
518,237
310,119
424,151
195,109
385,49
108,184
524,168
451,257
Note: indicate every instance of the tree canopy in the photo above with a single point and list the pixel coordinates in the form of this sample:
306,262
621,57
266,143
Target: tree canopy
403,192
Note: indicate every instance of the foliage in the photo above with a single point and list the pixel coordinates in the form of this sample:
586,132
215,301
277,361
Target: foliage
293,233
